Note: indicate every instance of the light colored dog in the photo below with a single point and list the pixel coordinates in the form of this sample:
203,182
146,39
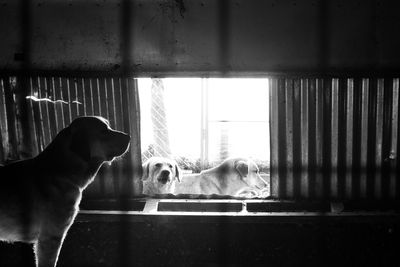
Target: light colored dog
39,197
233,177
160,176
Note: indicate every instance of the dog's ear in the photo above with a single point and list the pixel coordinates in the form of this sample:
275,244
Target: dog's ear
242,167
80,145
146,170
178,172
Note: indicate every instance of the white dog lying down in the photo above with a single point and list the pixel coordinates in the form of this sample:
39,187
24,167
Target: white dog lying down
39,197
235,177
159,176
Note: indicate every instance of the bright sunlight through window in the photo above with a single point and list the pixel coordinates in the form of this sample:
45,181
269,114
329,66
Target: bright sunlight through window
200,122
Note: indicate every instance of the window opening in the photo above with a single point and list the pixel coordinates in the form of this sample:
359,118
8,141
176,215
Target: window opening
200,122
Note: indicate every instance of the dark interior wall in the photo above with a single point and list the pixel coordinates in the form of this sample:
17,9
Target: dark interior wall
203,35
64,34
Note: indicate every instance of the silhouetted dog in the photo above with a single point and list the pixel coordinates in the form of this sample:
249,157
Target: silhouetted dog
39,197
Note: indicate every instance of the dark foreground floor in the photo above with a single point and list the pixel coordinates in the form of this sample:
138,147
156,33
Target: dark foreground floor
221,241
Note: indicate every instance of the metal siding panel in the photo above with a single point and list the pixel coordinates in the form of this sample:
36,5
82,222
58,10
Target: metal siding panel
134,120
289,138
297,138
111,101
394,142
3,124
312,157
364,137
11,119
96,96
356,151
349,138
378,139
334,138
80,96
65,95
17,83
304,185
31,116
44,110
37,114
65,101
386,137
319,179
326,138
371,145
282,143
73,96
59,105
103,98
331,125
88,96
118,105
274,137
52,113
342,134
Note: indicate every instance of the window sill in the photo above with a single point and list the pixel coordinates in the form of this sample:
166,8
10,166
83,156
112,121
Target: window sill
236,210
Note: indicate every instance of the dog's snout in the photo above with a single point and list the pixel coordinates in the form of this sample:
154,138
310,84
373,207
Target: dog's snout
121,142
125,138
164,173
164,176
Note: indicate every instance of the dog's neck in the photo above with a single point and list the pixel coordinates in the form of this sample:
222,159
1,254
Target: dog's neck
69,164
149,188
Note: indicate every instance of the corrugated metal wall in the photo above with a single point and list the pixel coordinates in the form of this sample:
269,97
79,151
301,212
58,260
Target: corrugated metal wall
334,138
53,102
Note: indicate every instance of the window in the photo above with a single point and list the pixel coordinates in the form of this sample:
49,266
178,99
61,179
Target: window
199,122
